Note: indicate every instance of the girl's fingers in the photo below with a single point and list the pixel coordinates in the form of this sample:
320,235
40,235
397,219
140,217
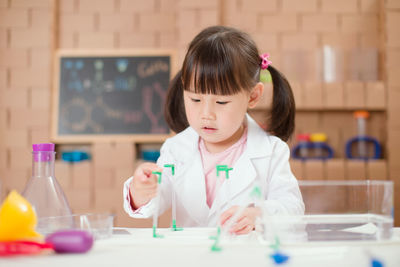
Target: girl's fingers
248,217
148,177
145,171
148,168
240,224
147,190
141,180
247,229
226,215
240,218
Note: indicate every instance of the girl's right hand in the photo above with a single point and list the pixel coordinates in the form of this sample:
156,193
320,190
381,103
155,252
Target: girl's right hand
144,184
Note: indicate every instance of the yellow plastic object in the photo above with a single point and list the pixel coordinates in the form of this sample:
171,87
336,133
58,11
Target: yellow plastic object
318,137
17,219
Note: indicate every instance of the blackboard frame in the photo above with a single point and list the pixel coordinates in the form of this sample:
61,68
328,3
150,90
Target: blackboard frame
92,138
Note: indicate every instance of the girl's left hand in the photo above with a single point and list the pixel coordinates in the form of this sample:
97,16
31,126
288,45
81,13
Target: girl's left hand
245,223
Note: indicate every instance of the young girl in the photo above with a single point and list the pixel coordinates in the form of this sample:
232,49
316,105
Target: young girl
206,105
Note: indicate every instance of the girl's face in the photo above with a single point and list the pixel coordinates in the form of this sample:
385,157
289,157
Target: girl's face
219,119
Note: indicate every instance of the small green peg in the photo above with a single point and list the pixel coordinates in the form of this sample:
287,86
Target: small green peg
277,244
172,166
256,192
216,247
159,176
155,235
221,168
225,169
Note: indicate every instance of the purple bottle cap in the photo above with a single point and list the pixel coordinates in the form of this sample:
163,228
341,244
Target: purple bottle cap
39,152
43,147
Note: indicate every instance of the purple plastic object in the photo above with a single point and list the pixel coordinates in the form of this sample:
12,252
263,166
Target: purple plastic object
43,152
71,241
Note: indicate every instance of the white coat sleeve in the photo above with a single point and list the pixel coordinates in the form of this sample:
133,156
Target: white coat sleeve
283,193
147,210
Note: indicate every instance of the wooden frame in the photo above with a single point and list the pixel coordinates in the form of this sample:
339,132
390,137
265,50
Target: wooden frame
91,138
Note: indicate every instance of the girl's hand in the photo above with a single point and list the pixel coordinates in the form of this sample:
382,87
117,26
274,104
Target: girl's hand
246,221
144,184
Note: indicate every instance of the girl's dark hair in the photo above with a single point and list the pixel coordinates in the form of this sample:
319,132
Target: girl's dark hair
174,109
223,61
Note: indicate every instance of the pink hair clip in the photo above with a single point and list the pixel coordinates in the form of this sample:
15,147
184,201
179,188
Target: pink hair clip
264,61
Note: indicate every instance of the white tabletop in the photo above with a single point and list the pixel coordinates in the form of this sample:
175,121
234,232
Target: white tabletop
191,247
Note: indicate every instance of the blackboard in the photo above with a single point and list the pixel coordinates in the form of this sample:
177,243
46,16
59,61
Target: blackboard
111,95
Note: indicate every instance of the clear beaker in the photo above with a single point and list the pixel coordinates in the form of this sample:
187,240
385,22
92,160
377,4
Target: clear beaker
99,225
43,191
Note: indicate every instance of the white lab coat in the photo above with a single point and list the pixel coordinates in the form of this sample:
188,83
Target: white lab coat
265,157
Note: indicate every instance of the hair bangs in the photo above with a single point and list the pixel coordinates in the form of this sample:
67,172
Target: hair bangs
211,72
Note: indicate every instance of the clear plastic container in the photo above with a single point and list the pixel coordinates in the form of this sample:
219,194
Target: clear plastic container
100,225
363,64
330,64
338,211
303,141
42,190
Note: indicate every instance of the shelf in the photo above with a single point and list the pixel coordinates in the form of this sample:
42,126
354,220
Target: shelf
352,95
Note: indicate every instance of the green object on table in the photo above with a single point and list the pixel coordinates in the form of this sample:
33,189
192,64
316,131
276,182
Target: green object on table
276,245
216,247
155,235
215,237
155,215
174,228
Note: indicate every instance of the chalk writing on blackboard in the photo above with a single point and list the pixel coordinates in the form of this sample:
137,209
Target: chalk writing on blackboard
106,95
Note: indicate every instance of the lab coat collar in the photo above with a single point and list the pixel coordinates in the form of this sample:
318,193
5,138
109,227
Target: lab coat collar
257,144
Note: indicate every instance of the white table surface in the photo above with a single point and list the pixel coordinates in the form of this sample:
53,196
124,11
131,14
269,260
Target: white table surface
191,247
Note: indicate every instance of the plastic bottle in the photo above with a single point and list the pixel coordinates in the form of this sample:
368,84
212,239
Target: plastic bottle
362,143
321,149
361,117
44,192
303,141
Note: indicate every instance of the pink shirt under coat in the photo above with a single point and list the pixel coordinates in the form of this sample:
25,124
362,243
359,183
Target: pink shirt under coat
211,160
